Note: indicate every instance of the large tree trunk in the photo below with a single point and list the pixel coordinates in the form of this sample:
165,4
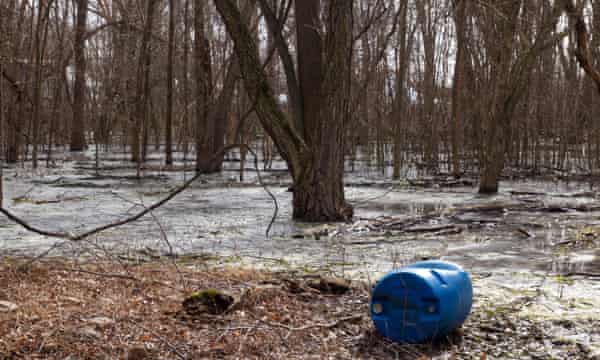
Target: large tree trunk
78,124
317,170
319,195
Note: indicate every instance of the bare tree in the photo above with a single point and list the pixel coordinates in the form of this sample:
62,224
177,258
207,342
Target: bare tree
142,85
38,54
78,124
170,78
204,89
583,53
458,110
316,167
509,65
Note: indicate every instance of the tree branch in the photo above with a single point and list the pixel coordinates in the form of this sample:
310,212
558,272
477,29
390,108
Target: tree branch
143,212
583,53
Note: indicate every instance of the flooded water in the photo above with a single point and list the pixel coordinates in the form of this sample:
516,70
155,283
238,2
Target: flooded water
529,230
515,244
221,215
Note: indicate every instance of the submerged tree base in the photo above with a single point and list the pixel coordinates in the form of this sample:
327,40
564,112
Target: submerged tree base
489,189
318,211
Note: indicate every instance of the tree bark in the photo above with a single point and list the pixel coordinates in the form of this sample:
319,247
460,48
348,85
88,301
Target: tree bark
501,48
310,65
142,85
41,34
509,80
15,111
319,194
170,59
583,53
221,111
79,86
460,20
399,90
274,25
203,72
317,171
425,10
185,78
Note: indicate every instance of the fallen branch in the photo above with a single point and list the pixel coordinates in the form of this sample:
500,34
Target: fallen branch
581,273
311,326
101,274
525,232
583,52
426,228
172,347
146,210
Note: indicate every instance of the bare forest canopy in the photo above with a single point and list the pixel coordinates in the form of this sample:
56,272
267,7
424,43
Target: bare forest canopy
463,87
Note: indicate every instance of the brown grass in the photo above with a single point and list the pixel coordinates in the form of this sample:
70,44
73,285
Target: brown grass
58,300
115,310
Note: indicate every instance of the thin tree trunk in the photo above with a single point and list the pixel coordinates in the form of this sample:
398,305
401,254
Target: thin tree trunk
310,65
142,85
457,86
202,67
79,87
170,59
221,111
41,33
399,91
186,88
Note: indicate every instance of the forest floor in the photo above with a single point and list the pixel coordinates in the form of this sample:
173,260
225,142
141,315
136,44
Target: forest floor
533,253
56,308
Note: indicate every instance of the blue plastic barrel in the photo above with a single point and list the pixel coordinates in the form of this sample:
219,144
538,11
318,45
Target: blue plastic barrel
421,302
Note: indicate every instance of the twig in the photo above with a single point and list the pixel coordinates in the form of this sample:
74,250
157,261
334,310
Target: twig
360,202
311,326
43,255
581,273
99,274
260,181
525,232
142,213
162,339
583,52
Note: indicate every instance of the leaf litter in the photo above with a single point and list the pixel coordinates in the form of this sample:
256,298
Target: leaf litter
125,310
